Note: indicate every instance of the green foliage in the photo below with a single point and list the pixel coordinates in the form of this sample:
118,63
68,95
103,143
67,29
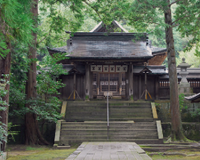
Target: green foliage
181,102
148,16
12,133
3,92
47,105
16,23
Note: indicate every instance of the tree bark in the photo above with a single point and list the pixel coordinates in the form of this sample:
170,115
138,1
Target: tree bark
176,132
5,69
32,132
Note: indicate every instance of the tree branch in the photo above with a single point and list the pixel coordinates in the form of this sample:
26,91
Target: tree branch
174,3
93,9
183,17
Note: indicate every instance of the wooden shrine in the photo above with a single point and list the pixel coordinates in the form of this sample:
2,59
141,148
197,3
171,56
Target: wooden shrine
102,61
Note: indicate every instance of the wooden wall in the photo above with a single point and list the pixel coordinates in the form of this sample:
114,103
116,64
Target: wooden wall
158,88
139,86
68,80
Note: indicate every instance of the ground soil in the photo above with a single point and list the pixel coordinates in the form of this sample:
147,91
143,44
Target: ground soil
186,154
25,152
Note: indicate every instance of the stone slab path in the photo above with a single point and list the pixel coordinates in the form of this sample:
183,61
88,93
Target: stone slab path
109,151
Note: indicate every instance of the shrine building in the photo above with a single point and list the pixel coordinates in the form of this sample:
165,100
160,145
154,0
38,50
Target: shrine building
101,61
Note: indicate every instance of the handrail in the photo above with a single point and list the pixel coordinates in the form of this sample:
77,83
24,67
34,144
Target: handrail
107,116
107,110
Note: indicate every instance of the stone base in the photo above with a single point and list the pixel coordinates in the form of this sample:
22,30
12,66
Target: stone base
184,88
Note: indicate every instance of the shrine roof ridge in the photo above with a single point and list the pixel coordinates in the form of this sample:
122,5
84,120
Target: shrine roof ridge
109,36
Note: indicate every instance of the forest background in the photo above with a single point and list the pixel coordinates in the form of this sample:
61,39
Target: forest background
31,26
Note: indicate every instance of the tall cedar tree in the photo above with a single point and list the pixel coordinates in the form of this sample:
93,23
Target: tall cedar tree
32,132
15,25
155,16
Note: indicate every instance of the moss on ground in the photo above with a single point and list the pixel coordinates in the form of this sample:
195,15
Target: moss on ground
38,153
190,154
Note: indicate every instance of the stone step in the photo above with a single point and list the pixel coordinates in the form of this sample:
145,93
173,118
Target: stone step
111,137
112,123
110,130
136,119
105,103
138,141
113,128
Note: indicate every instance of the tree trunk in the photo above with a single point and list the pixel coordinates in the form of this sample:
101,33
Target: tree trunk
176,132
33,134
5,69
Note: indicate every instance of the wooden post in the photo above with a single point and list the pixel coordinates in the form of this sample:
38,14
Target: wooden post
120,83
127,85
74,94
156,87
130,79
140,86
87,80
91,84
98,83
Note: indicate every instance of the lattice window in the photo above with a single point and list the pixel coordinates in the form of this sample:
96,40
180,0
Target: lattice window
163,83
194,83
104,82
114,78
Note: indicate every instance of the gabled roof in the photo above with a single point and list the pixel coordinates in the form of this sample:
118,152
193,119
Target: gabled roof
101,28
160,70
99,45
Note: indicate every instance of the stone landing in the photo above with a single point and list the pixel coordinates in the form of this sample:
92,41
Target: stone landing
109,151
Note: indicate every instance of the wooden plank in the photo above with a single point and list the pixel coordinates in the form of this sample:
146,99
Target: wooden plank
159,129
154,112
63,109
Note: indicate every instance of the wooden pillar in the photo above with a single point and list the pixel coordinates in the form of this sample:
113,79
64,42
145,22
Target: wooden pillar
120,83
130,80
140,87
127,85
87,80
157,87
98,83
91,84
74,87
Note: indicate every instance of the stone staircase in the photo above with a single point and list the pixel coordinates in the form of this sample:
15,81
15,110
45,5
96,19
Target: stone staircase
129,122
119,111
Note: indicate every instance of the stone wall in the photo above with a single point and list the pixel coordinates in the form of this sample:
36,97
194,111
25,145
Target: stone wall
191,130
190,118
188,111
